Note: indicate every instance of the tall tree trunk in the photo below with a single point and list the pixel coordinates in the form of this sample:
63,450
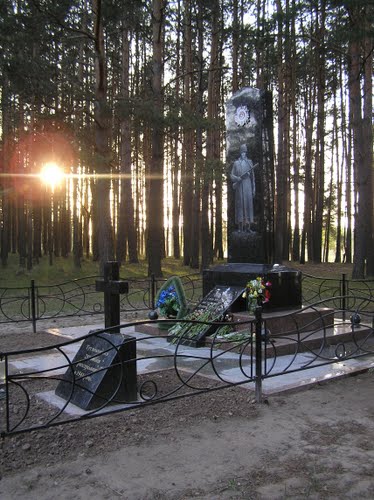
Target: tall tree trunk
363,179
56,210
86,217
29,238
77,242
102,123
155,204
126,238
199,99
211,149
21,209
219,172
189,159
308,190
4,222
326,247
339,181
80,221
368,132
22,241
235,46
175,171
319,177
295,135
259,46
347,156
282,190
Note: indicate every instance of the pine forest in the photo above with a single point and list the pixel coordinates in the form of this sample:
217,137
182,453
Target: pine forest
112,127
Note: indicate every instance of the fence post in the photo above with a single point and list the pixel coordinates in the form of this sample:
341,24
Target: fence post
153,292
343,293
7,407
33,306
258,348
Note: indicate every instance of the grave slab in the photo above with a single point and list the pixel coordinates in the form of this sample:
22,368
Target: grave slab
212,307
104,369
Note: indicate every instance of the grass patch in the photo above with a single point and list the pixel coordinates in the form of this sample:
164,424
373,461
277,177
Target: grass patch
63,269
324,269
43,273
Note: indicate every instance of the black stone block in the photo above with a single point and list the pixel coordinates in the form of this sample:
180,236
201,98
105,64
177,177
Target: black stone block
246,247
102,371
285,290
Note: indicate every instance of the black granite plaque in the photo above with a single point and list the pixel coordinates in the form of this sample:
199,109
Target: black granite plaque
212,307
219,300
102,371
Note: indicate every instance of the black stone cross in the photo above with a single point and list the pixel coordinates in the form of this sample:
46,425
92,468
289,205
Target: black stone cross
112,287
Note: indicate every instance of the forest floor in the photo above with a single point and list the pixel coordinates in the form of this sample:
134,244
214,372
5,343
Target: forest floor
221,445
316,443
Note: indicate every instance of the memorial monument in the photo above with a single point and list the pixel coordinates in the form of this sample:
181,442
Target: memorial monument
250,177
250,210
250,234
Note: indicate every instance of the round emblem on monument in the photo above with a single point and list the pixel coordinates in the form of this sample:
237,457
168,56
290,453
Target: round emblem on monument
242,116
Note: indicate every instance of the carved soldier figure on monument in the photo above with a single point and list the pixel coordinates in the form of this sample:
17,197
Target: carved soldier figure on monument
243,183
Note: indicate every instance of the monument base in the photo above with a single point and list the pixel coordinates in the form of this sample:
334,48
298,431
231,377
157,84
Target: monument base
279,323
154,329
285,290
327,341
243,244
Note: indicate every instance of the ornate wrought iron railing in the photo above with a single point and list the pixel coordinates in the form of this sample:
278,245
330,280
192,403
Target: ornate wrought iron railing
78,298
161,371
347,293
55,385
319,335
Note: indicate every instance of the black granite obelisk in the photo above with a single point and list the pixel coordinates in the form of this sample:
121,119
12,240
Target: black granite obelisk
249,177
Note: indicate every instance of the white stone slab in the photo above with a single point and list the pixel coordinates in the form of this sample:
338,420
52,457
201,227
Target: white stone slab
155,354
70,409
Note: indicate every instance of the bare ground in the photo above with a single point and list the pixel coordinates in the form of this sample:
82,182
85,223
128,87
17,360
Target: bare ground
313,444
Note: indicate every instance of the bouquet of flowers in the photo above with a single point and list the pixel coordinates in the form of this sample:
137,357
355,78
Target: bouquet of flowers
168,302
257,293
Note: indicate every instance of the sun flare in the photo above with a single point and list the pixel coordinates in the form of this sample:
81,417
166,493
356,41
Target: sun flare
52,175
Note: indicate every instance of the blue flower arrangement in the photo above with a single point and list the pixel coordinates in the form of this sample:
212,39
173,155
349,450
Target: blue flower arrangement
168,302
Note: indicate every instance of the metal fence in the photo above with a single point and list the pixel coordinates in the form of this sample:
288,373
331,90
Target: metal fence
347,293
151,370
79,298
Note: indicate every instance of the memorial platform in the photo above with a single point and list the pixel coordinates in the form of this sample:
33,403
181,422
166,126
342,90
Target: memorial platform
155,354
303,331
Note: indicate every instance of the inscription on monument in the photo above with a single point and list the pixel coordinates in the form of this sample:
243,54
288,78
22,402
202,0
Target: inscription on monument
211,308
219,300
103,371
